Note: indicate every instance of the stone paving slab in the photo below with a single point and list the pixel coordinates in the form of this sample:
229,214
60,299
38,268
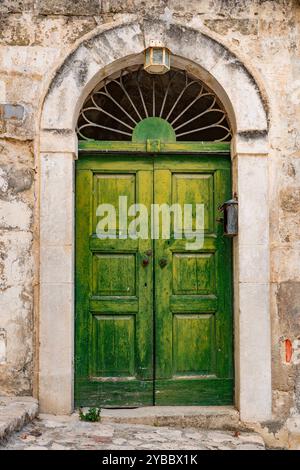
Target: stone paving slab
67,432
206,417
15,412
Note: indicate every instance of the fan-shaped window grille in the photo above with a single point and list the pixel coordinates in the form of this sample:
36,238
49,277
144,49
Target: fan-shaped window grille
117,105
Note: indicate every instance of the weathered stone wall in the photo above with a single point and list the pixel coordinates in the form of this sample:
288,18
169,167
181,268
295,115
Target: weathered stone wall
35,36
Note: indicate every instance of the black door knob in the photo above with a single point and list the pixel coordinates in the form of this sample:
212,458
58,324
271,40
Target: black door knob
145,261
163,262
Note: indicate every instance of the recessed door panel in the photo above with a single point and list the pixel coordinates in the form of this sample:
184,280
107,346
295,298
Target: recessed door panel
193,344
194,273
108,187
113,347
114,274
191,188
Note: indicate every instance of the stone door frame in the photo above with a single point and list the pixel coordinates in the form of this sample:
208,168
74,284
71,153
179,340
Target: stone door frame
100,54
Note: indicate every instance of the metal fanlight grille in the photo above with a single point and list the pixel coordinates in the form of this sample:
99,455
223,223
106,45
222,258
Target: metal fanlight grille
112,111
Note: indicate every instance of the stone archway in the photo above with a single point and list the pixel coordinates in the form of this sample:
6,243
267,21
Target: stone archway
96,57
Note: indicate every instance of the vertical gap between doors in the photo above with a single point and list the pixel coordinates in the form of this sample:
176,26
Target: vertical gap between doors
153,289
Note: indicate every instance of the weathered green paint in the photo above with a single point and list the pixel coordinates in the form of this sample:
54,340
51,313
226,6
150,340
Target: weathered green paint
153,128
111,147
114,306
193,304
182,305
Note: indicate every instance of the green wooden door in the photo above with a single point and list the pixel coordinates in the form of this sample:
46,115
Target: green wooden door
193,298
114,290
153,317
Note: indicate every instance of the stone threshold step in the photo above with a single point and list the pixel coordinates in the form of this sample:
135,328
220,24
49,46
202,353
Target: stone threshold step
15,412
205,417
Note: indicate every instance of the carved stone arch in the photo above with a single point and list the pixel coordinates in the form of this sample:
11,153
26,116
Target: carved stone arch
111,49
99,55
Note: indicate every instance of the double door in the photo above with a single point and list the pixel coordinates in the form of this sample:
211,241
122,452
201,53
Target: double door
153,281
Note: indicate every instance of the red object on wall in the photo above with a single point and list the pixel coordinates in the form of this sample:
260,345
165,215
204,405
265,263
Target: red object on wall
288,350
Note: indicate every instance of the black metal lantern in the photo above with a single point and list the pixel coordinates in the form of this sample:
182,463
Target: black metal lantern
230,220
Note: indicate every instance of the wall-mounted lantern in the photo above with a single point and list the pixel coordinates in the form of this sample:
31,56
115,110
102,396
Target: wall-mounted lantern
230,220
157,58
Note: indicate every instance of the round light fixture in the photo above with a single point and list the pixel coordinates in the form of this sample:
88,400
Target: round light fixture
157,58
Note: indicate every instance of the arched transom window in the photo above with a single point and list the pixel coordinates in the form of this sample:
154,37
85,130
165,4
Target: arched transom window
118,104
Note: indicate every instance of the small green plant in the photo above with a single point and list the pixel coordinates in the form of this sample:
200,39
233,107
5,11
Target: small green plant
92,415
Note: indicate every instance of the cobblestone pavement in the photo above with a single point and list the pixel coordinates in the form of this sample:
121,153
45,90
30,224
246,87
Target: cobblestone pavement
64,433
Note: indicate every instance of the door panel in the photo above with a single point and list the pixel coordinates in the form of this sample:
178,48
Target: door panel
193,324
192,188
194,273
114,292
197,330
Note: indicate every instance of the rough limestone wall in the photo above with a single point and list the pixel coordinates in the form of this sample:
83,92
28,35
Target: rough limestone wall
34,37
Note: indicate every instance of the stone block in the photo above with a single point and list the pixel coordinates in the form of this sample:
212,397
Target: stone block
12,111
16,266
15,412
253,263
57,199
252,174
16,6
254,351
56,354
285,263
57,265
15,215
28,61
68,7
51,31
16,29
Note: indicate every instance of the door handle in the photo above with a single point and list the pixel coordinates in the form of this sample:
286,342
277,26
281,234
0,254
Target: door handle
145,258
163,262
145,261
